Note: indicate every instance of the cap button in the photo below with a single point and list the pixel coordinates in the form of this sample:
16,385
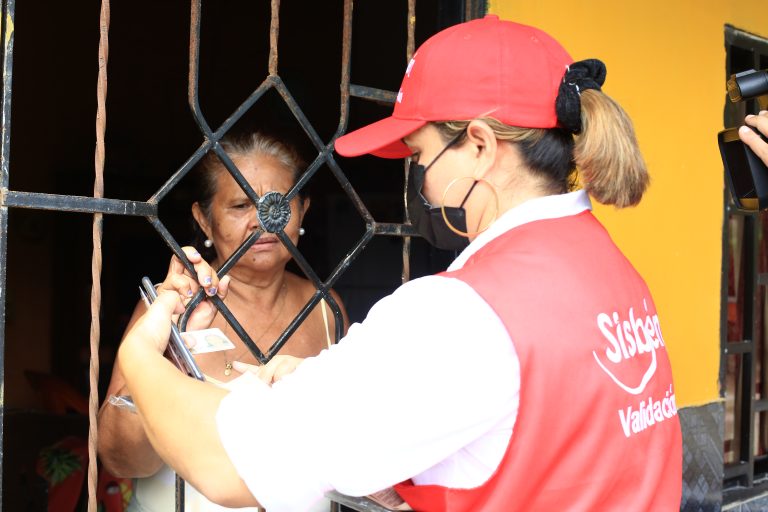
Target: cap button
491,17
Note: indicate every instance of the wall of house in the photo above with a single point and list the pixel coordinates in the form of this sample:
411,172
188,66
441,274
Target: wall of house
666,67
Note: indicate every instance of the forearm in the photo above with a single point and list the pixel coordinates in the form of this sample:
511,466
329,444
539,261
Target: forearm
123,446
178,416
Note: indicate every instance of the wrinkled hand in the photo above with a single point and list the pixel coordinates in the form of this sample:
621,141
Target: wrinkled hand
277,368
185,285
751,139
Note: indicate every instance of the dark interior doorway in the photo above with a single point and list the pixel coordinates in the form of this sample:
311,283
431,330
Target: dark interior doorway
150,134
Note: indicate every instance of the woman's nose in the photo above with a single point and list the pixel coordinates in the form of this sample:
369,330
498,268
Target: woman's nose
253,220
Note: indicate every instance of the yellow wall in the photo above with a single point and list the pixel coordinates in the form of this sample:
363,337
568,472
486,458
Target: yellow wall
666,67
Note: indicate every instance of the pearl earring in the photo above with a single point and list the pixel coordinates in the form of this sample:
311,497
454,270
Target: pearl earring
208,243
302,231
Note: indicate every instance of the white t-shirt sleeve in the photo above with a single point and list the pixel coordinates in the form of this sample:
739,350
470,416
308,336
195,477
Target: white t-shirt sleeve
430,371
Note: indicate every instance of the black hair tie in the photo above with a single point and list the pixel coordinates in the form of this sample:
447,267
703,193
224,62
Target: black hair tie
580,76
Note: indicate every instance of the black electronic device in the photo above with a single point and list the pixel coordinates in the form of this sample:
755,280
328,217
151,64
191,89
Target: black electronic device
745,173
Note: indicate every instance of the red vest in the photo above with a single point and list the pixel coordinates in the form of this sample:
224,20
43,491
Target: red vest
597,426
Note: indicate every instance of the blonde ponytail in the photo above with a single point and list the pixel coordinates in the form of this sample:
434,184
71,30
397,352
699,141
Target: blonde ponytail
607,154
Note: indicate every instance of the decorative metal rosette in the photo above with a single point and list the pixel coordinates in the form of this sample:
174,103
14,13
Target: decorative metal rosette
274,212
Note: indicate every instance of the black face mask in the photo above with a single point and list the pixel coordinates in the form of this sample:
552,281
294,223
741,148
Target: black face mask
427,219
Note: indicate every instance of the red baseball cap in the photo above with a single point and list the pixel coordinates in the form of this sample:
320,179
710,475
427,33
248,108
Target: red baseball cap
485,67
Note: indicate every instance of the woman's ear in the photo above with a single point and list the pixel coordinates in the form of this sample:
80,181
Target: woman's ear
201,219
303,207
485,145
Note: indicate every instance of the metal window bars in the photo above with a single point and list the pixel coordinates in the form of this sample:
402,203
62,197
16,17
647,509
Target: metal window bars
9,8
268,203
744,366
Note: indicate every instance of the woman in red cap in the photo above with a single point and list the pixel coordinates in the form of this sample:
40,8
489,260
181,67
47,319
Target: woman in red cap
531,375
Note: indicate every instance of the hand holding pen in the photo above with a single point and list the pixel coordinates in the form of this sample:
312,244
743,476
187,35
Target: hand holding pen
155,328
184,286
177,349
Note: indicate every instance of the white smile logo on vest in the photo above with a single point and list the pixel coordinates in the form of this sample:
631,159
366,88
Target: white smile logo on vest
629,337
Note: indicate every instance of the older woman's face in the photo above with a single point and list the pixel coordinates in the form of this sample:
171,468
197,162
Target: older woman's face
233,216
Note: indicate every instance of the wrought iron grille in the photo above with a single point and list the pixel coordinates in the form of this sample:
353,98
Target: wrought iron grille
211,137
744,365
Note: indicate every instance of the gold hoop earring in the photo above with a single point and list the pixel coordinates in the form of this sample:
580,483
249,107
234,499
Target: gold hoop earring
445,217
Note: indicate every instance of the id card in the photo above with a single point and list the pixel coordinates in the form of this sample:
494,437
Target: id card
207,340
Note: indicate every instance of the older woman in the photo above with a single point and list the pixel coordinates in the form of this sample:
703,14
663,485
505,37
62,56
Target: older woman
262,295
531,375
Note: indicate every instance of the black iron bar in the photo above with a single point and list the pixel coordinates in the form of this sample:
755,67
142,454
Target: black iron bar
182,172
149,209
394,229
200,295
350,257
9,15
306,176
274,29
738,347
235,116
357,202
298,114
230,262
193,86
346,52
735,469
230,166
83,204
380,96
230,318
761,406
221,306
410,47
292,326
319,285
3,293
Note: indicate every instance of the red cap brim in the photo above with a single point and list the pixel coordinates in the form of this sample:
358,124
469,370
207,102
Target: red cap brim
382,138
